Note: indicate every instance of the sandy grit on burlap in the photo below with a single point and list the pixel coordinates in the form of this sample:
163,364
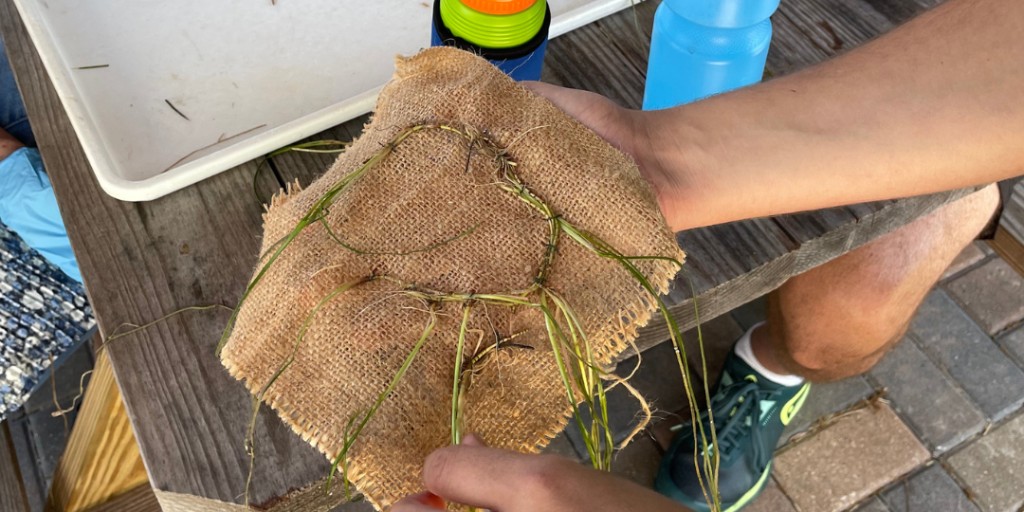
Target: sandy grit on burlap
420,195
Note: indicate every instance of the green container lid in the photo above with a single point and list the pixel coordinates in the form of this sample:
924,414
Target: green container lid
494,23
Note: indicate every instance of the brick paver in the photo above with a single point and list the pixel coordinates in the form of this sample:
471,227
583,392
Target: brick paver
825,399
772,499
719,336
1013,342
848,460
638,461
622,418
947,381
659,380
932,403
750,313
962,349
872,505
931,489
560,445
992,467
993,294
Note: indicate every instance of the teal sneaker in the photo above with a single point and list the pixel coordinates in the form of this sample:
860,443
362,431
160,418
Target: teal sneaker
750,412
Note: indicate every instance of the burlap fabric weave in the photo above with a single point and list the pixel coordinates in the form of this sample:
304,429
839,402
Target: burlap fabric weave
430,215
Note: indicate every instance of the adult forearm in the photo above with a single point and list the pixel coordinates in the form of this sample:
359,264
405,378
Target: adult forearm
934,105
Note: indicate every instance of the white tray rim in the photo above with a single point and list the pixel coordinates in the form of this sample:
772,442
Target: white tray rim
267,139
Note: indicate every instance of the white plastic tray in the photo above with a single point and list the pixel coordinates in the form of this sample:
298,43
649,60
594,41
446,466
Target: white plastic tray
250,75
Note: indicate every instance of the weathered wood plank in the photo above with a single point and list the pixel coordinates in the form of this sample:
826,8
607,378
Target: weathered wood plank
12,494
809,31
899,11
143,261
599,58
1010,248
1009,237
720,253
803,227
833,26
1012,219
139,499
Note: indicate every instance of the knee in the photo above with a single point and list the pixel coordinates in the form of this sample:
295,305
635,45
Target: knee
822,357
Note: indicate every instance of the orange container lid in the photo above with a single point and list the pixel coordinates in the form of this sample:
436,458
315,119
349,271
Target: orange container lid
499,6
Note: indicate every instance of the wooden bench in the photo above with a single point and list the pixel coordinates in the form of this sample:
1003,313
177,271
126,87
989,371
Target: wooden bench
1009,238
199,246
12,493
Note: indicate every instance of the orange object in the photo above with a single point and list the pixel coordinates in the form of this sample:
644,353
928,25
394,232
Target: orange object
431,500
499,6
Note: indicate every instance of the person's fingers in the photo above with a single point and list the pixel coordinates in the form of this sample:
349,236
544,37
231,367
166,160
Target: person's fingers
541,88
570,100
411,506
478,476
420,502
424,501
472,440
596,112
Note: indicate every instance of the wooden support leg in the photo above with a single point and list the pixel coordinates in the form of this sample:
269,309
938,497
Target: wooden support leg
1009,248
12,494
101,466
1008,241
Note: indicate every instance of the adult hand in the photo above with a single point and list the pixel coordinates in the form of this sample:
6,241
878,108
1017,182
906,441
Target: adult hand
505,481
629,131
615,124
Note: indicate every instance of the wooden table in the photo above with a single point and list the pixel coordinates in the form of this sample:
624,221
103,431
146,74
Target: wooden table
199,245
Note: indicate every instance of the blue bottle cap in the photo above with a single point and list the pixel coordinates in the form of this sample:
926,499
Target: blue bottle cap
724,13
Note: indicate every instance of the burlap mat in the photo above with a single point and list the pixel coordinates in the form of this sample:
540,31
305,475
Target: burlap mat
431,215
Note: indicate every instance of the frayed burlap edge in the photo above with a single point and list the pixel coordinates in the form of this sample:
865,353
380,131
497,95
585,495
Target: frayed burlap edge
619,338
641,310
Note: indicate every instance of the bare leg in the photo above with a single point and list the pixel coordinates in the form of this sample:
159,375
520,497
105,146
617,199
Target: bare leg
8,144
838,320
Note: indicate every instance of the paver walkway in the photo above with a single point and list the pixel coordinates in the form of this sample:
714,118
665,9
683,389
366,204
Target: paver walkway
937,425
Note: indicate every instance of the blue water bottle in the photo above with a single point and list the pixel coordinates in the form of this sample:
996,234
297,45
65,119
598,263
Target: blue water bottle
705,47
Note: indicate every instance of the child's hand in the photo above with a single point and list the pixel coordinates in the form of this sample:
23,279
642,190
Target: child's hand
506,481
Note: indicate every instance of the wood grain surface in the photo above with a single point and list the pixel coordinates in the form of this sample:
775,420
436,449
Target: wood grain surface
1013,212
198,246
139,499
102,459
145,260
12,494
1009,237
